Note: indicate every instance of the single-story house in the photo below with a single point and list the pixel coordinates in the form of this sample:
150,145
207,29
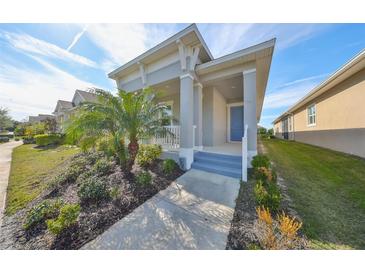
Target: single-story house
65,109
216,101
332,115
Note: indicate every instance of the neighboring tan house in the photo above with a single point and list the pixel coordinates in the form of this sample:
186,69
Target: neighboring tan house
212,99
40,118
65,109
332,115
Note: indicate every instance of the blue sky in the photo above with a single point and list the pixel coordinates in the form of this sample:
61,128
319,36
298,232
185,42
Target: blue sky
41,63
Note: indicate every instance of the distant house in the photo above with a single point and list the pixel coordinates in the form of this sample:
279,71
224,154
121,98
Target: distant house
40,118
332,115
65,109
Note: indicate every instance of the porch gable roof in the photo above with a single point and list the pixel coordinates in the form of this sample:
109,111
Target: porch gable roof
205,53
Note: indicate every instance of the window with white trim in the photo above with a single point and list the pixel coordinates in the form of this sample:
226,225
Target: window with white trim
311,115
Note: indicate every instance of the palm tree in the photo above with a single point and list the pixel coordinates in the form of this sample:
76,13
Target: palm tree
127,117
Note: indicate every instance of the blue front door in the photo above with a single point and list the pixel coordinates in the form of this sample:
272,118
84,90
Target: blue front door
236,123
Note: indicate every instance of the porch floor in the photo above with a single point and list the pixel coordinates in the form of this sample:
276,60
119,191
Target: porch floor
226,148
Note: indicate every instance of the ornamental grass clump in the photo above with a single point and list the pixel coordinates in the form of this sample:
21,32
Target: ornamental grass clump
279,233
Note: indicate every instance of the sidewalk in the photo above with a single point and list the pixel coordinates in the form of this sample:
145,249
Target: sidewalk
6,150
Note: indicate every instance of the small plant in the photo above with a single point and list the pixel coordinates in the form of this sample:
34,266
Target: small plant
281,233
260,161
16,139
92,191
28,140
265,174
147,154
103,166
115,192
144,178
69,176
169,166
67,217
39,213
268,196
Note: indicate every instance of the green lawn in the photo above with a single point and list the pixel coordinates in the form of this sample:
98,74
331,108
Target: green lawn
327,189
31,170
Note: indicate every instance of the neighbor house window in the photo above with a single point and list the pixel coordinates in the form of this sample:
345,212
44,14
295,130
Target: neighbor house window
311,112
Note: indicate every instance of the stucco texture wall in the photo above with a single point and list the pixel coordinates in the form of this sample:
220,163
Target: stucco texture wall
340,118
214,117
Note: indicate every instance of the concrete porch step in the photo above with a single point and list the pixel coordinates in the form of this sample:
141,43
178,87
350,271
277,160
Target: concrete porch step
218,169
230,163
218,156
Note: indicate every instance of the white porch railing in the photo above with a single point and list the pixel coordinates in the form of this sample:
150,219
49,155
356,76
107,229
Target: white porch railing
244,155
169,140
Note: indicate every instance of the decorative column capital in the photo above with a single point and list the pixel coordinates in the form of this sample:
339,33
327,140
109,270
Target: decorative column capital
248,71
198,85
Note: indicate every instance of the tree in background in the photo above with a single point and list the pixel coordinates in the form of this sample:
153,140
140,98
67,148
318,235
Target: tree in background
5,119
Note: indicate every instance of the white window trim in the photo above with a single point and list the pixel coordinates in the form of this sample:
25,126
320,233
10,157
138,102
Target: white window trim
229,120
315,116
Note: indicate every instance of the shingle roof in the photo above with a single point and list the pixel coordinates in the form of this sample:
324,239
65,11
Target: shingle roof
65,104
87,96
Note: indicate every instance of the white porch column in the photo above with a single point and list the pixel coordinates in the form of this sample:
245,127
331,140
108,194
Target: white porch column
186,119
198,115
249,112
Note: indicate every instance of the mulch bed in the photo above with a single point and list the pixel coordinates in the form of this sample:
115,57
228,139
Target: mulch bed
242,232
93,220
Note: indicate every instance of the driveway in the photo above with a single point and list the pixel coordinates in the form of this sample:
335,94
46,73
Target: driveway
195,212
6,150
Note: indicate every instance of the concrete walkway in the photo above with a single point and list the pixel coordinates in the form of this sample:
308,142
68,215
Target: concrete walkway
193,213
6,150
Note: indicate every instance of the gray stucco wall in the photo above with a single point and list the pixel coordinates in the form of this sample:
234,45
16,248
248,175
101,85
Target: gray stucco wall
220,119
214,117
351,141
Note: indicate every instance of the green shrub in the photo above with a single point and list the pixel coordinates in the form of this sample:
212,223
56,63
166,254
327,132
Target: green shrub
147,154
103,166
39,213
169,166
48,139
93,191
69,176
260,161
144,178
267,196
265,174
17,139
28,140
67,217
4,139
115,192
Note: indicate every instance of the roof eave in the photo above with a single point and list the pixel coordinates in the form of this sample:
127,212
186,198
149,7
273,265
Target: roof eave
161,45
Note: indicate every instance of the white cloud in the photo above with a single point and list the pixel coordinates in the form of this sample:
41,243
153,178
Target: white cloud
226,38
30,44
77,38
28,92
124,42
289,93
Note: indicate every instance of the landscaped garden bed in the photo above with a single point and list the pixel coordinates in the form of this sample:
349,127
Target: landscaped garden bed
263,217
82,201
